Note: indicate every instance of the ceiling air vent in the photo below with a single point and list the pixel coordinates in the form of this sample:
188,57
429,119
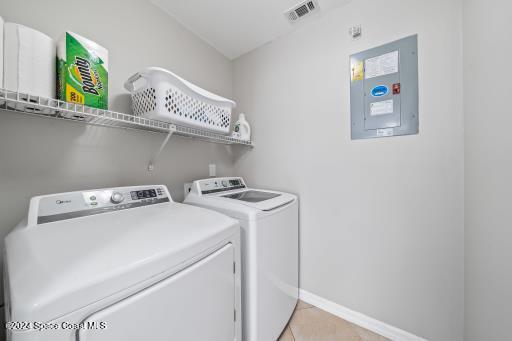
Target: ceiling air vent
301,10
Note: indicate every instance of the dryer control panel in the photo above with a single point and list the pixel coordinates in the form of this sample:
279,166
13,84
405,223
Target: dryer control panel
64,206
216,185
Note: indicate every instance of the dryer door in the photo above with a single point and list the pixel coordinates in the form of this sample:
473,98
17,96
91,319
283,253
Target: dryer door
196,304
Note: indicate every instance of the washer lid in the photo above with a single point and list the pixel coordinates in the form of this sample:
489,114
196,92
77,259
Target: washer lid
58,267
261,200
252,196
251,208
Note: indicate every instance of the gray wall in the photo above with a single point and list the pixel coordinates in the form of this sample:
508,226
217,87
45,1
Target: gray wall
384,236
40,156
382,227
488,159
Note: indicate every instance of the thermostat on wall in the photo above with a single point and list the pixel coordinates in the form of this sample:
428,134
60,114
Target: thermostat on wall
384,90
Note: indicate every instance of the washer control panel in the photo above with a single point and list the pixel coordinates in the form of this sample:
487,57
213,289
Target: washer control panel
78,204
216,185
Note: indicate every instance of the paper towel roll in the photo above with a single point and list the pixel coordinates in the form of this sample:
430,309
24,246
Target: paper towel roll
29,61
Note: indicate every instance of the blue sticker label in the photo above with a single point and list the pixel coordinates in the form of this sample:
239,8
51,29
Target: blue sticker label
380,90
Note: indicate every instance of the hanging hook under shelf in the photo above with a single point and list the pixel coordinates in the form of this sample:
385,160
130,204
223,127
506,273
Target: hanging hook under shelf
151,165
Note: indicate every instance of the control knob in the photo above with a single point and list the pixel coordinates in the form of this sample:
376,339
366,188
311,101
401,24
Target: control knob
116,198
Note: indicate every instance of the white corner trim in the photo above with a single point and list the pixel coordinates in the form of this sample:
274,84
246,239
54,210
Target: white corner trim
359,319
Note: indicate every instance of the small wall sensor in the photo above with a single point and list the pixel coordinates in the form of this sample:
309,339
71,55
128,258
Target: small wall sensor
355,32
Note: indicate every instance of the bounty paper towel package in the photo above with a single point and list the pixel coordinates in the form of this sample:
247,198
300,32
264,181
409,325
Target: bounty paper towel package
29,61
82,71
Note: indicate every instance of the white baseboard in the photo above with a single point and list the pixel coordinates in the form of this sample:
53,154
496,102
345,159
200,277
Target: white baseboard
359,319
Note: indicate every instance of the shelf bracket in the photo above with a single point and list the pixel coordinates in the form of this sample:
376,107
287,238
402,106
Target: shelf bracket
152,161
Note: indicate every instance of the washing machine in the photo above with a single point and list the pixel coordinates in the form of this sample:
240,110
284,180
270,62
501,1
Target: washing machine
122,264
269,235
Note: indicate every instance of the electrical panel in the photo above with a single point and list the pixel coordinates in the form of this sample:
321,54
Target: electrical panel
384,90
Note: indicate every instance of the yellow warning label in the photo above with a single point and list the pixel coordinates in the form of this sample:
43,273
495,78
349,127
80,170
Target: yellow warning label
73,96
357,71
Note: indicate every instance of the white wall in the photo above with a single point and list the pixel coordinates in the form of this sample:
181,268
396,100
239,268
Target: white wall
381,222
40,156
488,163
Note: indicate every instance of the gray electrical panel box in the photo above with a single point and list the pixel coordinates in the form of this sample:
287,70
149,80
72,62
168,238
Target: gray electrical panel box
384,90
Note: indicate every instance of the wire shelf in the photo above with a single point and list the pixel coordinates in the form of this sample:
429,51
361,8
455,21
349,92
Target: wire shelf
52,108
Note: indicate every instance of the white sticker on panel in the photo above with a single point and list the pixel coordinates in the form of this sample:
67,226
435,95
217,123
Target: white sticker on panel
385,132
381,65
381,108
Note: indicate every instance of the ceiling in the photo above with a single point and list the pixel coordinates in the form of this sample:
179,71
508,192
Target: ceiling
235,27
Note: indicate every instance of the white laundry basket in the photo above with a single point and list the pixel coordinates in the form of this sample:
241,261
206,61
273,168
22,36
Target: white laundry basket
161,95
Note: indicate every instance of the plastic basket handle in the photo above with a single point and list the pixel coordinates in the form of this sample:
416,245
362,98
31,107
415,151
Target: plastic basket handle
128,85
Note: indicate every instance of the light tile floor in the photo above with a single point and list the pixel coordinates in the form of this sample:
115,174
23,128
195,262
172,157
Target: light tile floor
309,323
